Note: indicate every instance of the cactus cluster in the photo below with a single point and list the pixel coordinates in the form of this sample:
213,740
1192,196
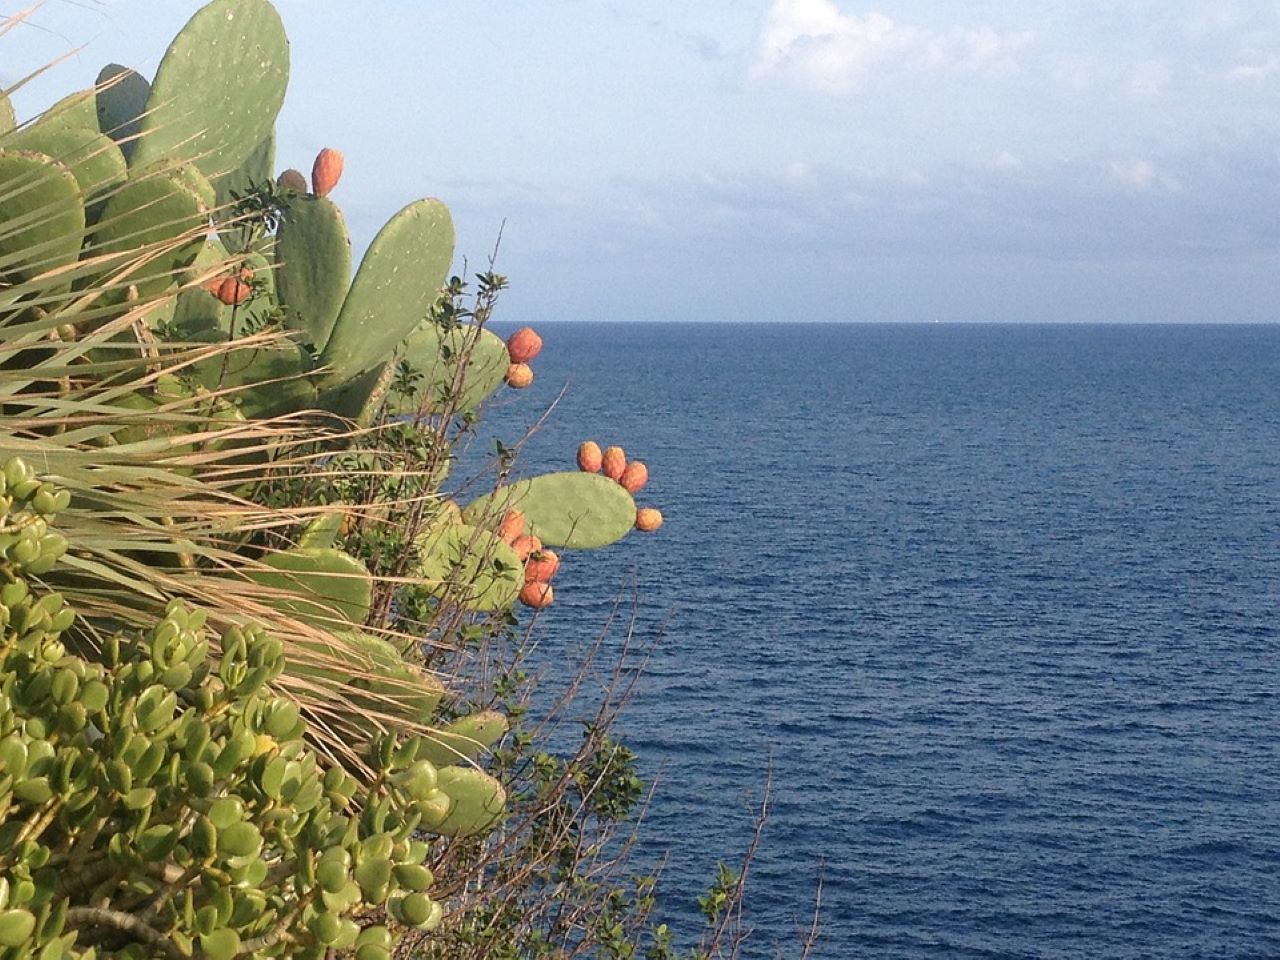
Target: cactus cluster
158,799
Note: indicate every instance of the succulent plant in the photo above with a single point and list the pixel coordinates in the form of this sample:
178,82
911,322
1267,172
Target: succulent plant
158,799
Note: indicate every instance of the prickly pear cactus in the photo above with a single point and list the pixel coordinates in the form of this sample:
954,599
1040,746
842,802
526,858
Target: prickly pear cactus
121,100
7,120
313,253
218,89
165,774
94,160
571,509
42,210
470,566
397,283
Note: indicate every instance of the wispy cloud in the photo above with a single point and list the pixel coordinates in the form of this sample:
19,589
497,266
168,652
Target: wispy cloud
816,43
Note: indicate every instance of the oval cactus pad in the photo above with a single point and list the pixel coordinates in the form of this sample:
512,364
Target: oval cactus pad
218,89
472,564
576,510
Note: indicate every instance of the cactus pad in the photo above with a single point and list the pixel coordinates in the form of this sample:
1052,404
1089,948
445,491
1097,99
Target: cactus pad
155,209
327,584
77,109
121,99
94,160
313,250
463,740
472,565
397,283
477,802
258,168
43,215
436,355
572,509
218,89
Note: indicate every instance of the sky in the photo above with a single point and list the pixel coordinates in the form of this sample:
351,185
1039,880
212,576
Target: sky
783,160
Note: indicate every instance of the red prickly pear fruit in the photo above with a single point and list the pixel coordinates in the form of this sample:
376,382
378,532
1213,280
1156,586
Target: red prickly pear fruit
648,519
326,172
613,463
292,180
537,595
526,546
519,375
212,285
541,566
233,291
635,476
589,457
523,345
512,526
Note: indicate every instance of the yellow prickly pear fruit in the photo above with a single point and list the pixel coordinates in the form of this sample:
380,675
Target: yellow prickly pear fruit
613,463
326,172
292,180
589,457
519,375
648,519
537,595
523,345
634,476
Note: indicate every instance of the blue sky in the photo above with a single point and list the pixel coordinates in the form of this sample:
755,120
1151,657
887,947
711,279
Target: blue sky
788,159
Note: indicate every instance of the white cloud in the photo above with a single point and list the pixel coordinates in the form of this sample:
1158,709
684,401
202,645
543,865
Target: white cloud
816,43
1260,71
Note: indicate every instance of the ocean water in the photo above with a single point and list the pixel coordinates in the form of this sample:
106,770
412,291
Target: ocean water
998,605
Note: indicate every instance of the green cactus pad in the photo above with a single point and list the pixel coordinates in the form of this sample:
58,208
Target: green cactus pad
155,209
313,250
257,169
121,99
94,160
79,109
397,283
323,531
7,119
436,356
478,801
383,681
43,215
262,381
572,509
471,565
328,583
218,89
463,740
357,399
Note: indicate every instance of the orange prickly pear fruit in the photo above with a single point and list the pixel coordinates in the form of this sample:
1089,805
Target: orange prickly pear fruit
648,519
541,566
525,546
635,476
523,345
613,463
292,180
589,457
233,291
537,595
519,375
512,526
326,172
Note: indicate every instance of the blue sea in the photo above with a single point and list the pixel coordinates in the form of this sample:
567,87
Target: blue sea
997,606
